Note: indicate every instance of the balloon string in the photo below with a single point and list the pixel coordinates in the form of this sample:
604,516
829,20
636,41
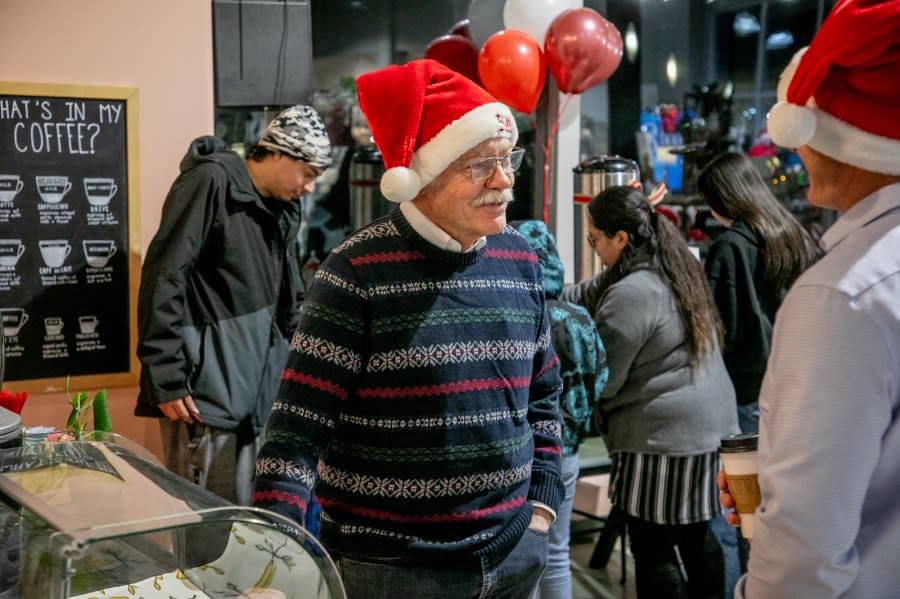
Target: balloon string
554,127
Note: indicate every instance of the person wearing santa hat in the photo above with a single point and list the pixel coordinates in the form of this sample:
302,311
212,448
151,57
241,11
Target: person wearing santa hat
420,398
829,521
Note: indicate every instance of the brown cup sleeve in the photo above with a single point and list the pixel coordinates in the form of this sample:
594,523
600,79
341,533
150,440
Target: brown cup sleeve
745,490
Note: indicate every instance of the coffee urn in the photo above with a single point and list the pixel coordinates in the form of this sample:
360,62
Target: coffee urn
366,201
592,176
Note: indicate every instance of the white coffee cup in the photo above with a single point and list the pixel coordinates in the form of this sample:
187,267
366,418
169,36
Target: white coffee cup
10,251
10,185
97,252
54,251
52,189
12,319
738,453
53,325
87,324
99,190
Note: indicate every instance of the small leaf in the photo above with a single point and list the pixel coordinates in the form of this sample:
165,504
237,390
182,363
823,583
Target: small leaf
102,420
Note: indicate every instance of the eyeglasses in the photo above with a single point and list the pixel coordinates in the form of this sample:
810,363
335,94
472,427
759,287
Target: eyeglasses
485,167
591,241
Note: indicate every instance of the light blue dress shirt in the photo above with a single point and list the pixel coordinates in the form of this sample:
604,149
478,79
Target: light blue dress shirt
829,455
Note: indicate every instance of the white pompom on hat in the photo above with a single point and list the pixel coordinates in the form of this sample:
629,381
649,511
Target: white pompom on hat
840,95
423,116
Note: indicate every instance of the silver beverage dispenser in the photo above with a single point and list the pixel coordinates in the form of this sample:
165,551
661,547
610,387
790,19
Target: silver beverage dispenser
592,176
366,168
366,201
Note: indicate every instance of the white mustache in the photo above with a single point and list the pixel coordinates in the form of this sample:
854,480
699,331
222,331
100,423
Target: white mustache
494,196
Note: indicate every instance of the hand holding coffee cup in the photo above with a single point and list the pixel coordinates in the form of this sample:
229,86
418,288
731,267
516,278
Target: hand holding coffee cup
726,500
738,453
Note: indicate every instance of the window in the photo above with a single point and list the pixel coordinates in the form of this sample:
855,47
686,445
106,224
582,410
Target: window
755,40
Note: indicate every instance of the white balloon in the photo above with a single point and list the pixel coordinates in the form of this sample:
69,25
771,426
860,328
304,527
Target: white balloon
534,16
485,19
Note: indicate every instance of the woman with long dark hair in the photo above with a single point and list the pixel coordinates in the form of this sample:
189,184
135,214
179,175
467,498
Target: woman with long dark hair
668,400
750,267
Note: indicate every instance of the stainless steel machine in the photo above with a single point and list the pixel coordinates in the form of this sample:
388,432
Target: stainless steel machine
592,176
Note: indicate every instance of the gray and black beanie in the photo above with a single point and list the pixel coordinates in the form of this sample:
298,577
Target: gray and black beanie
299,132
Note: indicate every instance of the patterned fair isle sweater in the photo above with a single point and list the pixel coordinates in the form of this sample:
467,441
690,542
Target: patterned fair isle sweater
420,398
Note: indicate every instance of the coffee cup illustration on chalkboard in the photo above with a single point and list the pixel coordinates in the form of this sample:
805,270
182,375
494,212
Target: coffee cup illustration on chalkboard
54,251
53,325
10,185
87,324
52,189
10,251
98,251
99,191
12,319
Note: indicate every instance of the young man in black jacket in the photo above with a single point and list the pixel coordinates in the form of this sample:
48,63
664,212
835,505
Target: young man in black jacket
219,298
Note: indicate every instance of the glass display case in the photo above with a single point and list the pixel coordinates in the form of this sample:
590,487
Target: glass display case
97,520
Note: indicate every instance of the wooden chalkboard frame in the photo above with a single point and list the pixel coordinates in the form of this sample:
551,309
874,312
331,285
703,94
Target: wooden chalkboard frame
129,96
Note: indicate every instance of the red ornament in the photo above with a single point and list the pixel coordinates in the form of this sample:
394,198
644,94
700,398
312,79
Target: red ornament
582,49
511,67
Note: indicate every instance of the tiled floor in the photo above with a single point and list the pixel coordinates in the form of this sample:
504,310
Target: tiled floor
594,583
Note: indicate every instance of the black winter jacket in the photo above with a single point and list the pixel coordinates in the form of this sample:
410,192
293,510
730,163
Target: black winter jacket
747,305
219,294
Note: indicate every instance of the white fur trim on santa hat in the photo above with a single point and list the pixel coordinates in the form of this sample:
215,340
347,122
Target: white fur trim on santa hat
791,126
851,145
485,122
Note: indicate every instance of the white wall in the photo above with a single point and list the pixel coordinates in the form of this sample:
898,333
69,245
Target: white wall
161,47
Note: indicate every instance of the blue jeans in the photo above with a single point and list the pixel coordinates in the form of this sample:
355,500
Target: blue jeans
512,577
728,539
556,582
748,417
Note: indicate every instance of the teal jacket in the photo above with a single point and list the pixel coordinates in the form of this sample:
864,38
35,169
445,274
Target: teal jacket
582,357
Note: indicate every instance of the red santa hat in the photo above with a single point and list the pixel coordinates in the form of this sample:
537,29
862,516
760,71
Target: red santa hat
840,95
423,116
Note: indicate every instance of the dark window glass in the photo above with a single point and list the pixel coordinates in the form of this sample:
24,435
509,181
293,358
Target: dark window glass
738,32
790,26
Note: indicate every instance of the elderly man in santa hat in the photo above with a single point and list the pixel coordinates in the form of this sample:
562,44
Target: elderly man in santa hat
829,446
420,398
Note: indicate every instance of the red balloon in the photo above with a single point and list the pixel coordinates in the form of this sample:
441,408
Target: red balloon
582,48
511,67
457,53
461,28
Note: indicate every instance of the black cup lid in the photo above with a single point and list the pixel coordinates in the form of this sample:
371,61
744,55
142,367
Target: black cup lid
742,442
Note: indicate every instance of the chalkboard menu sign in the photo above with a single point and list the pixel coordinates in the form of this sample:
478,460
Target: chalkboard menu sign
68,224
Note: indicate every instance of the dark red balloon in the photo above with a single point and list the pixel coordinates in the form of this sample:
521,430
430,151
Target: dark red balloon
462,28
457,53
582,49
512,69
